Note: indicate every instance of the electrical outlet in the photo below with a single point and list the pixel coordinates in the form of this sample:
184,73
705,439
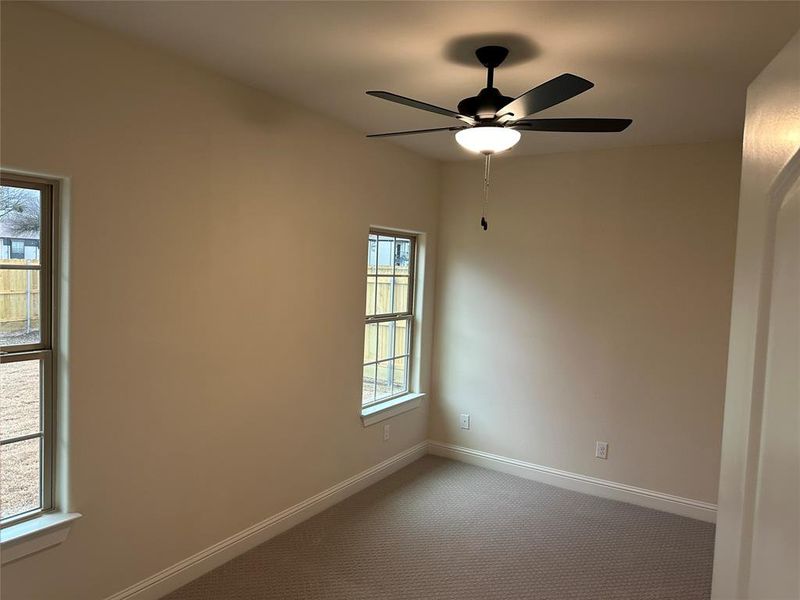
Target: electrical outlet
386,433
601,450
463,420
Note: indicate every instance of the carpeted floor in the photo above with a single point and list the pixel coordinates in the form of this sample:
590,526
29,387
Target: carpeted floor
443,530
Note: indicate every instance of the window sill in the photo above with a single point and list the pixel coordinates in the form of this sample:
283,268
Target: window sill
37,534
391,408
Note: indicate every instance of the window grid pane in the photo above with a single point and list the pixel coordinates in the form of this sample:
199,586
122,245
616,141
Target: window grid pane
402,262
370,342
400,379
385,337
392,342
20,398
370,307
368,384
372,254
21,477
383,380
401,338
20,306
400,300
383,295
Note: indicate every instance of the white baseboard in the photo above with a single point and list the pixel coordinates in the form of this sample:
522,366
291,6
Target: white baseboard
181,573
696,509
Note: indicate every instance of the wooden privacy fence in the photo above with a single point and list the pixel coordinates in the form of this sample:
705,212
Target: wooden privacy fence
387,292
19,299
388,300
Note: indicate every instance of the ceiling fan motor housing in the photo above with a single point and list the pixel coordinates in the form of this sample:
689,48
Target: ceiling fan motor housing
485,105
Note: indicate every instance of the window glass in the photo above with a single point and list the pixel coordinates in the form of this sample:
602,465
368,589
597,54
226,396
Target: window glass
385,295
383,380
400,294
20,391
20,477
400,379
401,338
402,257
20,303
385,259
368,388
371,295
370,342
20,223
372,255
386,331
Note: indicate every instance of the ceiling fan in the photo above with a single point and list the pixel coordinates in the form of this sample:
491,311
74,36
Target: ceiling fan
492,122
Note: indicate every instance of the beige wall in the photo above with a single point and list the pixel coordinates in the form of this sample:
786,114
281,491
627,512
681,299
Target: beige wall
193,196
596,307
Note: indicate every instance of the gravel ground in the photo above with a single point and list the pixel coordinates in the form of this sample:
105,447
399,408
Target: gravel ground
19,415
19,338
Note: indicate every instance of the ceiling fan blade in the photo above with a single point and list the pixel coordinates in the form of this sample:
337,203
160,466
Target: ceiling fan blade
377,135
574,125
548,94
421,105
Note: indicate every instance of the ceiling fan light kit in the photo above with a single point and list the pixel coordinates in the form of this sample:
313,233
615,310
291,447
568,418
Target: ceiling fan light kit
487,139
492,122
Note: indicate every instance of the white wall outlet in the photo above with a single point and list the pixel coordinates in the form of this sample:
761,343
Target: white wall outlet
386,433
463,420
601,450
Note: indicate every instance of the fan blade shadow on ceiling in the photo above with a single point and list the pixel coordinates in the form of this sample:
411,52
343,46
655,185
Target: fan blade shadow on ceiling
461,50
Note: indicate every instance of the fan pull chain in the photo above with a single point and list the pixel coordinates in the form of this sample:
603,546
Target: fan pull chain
486,169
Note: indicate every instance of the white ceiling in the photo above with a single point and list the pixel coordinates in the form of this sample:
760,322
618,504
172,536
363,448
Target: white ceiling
679,69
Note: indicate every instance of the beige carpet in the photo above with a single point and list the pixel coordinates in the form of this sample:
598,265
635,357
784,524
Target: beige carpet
444,530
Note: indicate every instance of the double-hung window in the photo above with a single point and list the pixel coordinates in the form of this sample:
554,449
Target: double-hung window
26,346
389,316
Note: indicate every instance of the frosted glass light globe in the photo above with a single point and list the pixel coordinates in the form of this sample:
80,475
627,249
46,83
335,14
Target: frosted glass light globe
487,140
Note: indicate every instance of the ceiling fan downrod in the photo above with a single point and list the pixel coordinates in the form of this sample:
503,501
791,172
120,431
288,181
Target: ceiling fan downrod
491,57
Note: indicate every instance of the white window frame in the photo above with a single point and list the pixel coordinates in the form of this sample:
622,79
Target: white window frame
370,409
50,524
42,351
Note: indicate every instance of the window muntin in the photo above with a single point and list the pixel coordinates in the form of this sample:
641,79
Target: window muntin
389,316
26,354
